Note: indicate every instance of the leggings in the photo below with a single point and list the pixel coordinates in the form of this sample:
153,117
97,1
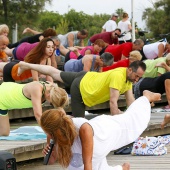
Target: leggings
72,80
156,84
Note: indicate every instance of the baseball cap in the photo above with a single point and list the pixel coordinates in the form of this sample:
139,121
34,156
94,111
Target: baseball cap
114,15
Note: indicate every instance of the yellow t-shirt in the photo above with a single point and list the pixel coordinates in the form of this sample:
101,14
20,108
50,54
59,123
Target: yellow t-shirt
95,86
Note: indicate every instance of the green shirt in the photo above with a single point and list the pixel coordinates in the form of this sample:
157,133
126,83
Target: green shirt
151,70
12,97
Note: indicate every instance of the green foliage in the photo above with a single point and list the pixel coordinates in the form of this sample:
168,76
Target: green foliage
23,12
49,20
157,18
62,27
120,11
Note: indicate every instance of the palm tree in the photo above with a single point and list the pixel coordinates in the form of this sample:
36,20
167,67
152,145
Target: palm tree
120,11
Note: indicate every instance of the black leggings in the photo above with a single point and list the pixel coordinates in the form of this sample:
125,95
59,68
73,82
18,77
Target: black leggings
156,84
72,80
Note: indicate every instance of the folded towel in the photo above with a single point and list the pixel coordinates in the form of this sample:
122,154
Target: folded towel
26,133
154,146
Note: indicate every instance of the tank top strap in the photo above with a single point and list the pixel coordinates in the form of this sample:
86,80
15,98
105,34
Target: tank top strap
44,87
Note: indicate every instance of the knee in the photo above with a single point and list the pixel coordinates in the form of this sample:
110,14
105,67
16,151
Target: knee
4,131
167,81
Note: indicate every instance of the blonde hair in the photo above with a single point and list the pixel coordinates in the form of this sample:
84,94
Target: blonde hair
55,122
58,96
135,55
168,57
4,28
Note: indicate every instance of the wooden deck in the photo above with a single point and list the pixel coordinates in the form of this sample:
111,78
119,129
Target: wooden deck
30,150
136,162
25,150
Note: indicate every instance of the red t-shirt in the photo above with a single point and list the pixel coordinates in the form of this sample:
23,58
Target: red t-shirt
121,63
106,37
118,50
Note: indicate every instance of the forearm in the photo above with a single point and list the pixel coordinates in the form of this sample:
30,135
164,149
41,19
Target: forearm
130,101
37,117
114,108
88,166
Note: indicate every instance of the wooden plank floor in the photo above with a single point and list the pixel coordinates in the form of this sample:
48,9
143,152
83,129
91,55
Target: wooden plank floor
25,150
136,162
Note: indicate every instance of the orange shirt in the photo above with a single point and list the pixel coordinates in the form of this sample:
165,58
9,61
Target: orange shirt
2,55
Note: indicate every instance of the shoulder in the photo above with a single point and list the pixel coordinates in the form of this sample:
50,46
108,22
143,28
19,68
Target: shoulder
78,122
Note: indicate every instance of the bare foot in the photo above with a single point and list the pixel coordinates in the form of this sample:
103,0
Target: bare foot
152,104
22,67
26,30
165,121
152,96
126,166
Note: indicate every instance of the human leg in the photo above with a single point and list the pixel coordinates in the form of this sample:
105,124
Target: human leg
165,121
77,105
44,69
152,97
4,125
131,124
29,30
167,90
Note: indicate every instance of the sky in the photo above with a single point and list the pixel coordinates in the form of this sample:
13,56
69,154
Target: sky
102,7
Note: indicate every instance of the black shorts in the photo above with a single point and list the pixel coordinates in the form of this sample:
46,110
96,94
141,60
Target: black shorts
7,77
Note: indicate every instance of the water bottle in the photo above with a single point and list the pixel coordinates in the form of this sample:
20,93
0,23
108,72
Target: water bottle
47,157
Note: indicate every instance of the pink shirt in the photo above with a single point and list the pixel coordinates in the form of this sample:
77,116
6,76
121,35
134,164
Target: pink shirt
23,49
82,52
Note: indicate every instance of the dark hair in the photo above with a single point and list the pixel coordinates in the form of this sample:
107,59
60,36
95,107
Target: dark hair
37,53
83,32
136,64
107,58
49,32
118,29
